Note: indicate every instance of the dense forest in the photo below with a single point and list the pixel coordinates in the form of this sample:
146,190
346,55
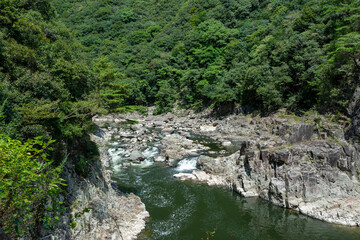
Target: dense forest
46,103
63,61
257,53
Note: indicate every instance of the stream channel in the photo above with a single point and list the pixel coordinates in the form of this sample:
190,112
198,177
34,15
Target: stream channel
187,210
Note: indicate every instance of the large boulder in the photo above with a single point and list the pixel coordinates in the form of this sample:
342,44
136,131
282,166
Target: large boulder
176,147
136,156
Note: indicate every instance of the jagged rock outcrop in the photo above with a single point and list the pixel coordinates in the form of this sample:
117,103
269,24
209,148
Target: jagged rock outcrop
176,147
97,209
319,178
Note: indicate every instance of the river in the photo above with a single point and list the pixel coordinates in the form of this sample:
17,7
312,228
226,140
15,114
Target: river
187,210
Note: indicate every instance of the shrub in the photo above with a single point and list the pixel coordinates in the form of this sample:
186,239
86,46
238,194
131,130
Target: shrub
27,182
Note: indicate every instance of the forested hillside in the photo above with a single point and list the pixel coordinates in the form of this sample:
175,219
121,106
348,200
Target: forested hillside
63,61
265,54
45,93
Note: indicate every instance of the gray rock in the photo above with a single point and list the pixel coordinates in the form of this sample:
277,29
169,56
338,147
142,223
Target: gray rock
301,132
136,156
158,123
176,147
169,130
136,127
98,211
208,128
226,143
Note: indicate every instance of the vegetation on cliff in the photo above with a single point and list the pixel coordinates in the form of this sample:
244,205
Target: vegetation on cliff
28,182
45,91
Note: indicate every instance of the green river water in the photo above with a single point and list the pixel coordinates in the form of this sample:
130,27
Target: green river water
186,210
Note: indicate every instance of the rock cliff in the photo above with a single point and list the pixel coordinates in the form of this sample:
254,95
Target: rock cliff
298,166
97,210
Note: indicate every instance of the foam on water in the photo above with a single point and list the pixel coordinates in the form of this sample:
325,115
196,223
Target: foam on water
117,168
144,164
116,155
150,152
186,164
114,144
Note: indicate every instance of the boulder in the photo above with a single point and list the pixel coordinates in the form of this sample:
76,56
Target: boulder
136,156
185,176
208,128
226,143
169,130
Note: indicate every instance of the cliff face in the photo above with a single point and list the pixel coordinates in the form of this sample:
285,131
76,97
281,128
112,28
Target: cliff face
297,166
317,178
97,210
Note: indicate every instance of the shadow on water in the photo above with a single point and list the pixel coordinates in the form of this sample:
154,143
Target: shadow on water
186,210
215,148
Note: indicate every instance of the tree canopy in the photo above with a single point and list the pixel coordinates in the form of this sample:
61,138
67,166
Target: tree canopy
266,54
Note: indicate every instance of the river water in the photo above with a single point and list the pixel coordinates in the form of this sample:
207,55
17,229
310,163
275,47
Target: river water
186,210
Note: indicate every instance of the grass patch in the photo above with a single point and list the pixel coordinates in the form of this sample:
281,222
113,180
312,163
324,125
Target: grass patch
131,108
130,122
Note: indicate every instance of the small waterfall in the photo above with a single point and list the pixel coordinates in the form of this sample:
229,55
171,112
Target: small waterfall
144,164
116,155
186,164
151,152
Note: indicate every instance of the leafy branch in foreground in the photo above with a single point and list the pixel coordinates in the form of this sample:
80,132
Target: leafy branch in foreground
209,235
29,185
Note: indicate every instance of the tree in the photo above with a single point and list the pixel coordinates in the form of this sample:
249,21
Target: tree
29,185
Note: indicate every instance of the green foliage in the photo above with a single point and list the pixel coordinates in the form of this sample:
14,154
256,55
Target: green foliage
266,54
338,77
45,78
131,108
209,235
165,98
29,185
46,89
111,93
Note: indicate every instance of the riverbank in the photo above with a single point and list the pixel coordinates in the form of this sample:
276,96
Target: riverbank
96,208
303,164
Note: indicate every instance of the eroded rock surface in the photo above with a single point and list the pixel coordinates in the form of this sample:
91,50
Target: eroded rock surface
298,169
302,164
98,210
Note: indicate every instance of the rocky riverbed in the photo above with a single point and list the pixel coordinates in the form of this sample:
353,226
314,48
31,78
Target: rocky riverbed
304,164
